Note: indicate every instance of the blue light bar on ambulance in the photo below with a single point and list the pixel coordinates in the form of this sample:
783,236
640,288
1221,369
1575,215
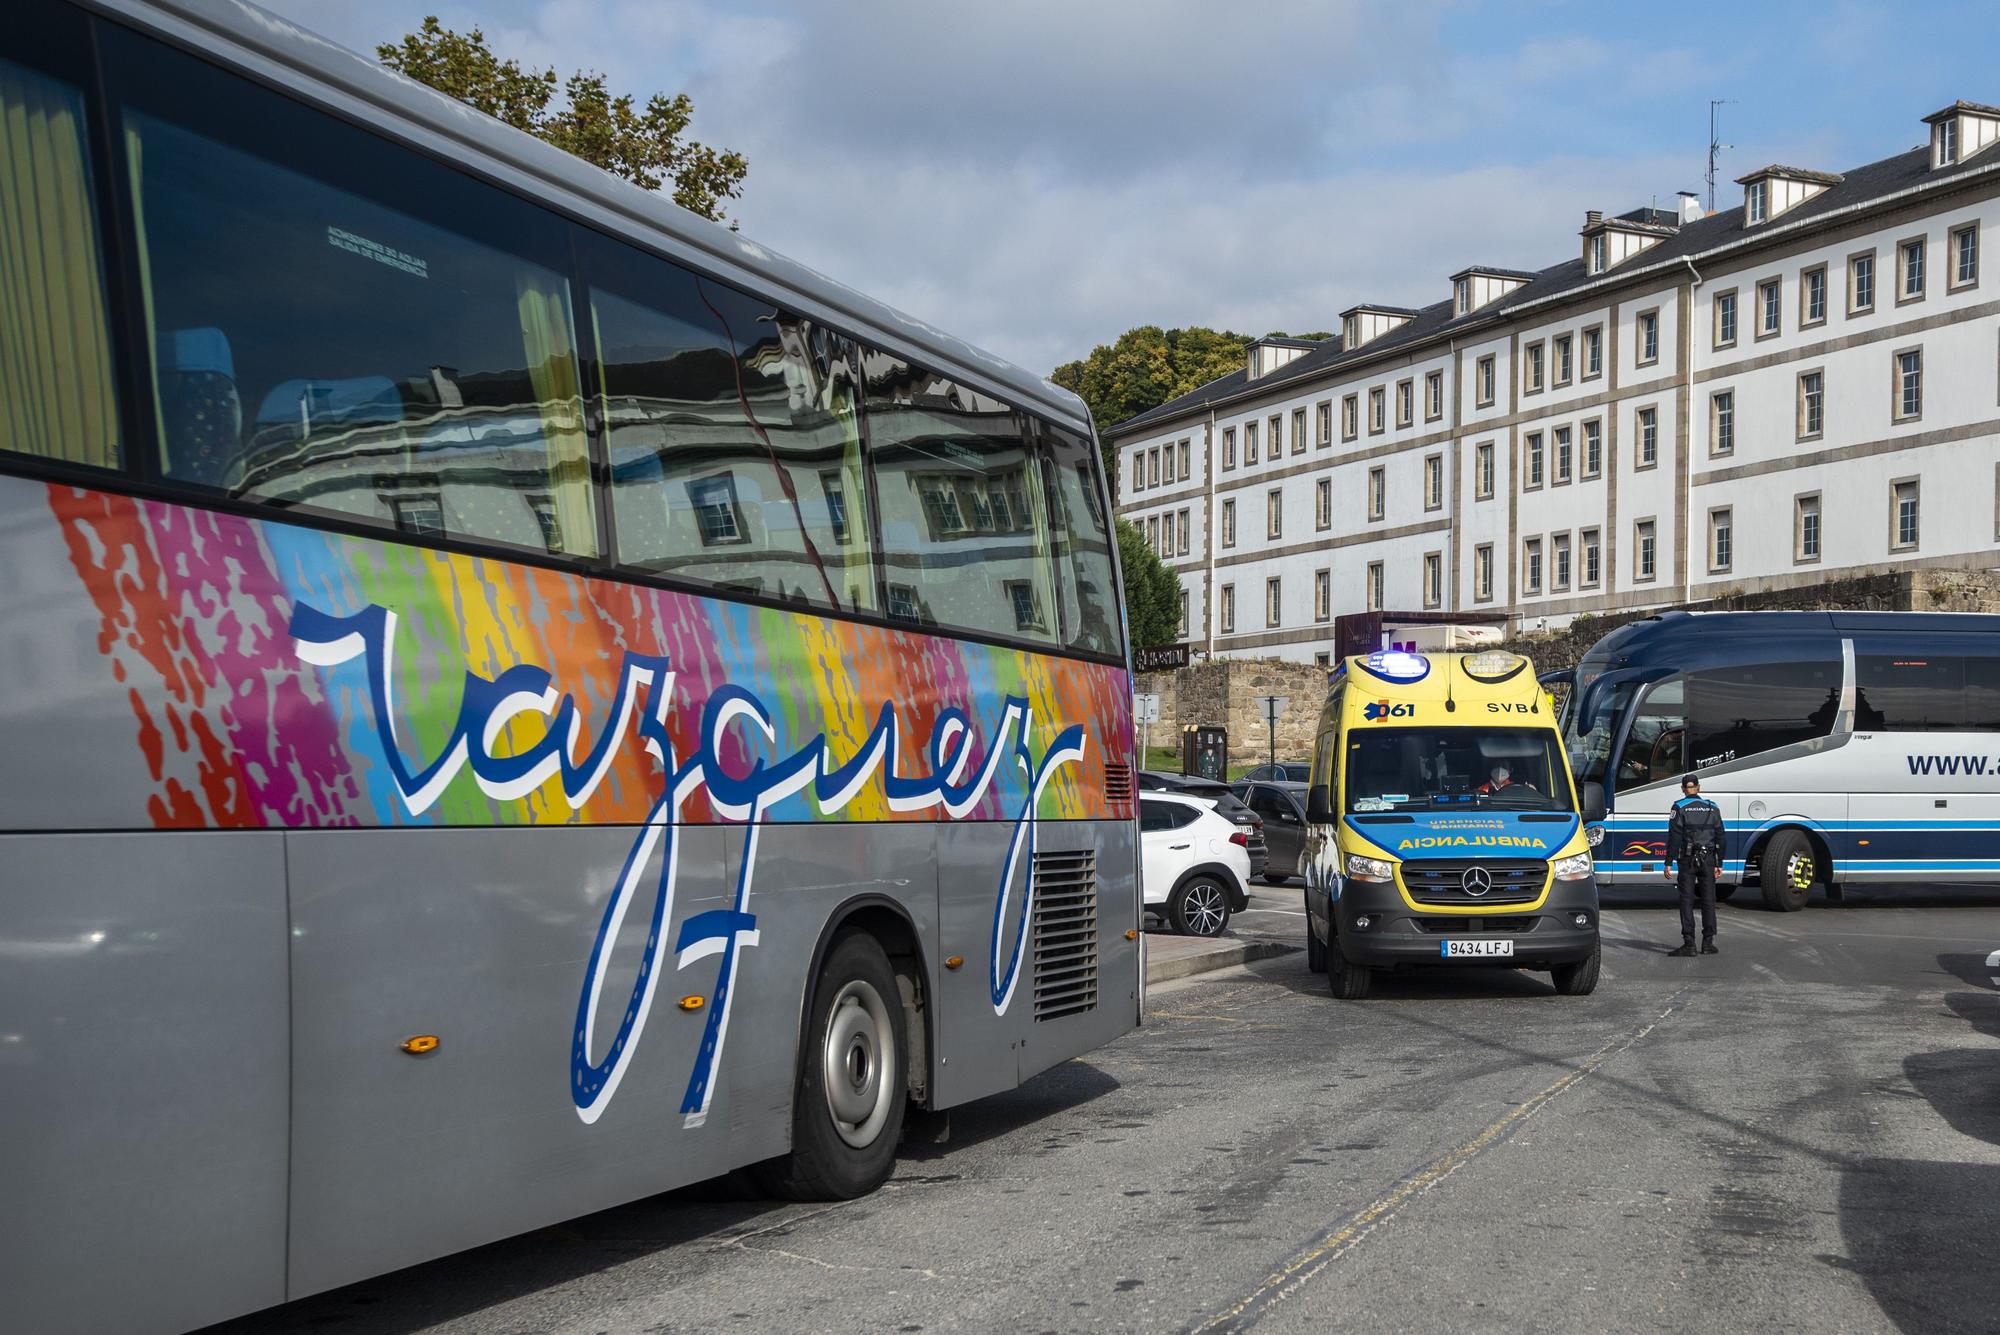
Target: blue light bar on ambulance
1395,665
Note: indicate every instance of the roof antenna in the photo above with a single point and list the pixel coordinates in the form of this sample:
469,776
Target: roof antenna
1715,144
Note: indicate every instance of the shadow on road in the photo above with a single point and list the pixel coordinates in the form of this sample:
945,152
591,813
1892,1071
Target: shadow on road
1070,1085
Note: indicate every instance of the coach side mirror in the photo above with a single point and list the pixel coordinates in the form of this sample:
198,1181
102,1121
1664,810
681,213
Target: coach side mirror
1593,802
1319,804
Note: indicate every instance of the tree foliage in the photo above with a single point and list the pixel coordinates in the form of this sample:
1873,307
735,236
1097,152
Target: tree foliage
1152,592
647,145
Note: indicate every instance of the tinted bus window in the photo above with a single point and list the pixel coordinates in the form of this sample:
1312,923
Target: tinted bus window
1656,744
1082,536
1740,711
330,329
965,529
735,436
56,398
1909,693
1982,694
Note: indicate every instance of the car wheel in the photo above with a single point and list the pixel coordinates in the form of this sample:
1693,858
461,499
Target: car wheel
1787,871
1200,907
1315,948
1579,979
1347,980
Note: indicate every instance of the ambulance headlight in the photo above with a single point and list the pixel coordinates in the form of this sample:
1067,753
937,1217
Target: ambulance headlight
1368,869
1572,869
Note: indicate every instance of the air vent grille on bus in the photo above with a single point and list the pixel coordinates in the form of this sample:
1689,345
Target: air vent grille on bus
1118,782
1065,934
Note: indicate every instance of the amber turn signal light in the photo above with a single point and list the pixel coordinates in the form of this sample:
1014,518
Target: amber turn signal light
1132,934
954,961
421,1044
693,1003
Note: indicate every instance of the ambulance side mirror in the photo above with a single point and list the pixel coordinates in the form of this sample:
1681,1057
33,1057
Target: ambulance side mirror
1593,802
1319,804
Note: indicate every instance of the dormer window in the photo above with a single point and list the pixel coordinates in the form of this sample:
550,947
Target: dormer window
1947,141
1596,249
1962,131
1757,202
1771,192
1349,329
1461,296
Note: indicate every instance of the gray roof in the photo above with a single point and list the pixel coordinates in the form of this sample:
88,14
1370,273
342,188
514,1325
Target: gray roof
1269,342
1976,108
1791,174
1491,271
236,33
1873,183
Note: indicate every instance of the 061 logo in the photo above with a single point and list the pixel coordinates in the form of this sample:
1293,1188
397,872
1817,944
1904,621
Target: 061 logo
1381,709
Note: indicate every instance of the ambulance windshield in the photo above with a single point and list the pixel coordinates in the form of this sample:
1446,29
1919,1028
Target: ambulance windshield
1427,769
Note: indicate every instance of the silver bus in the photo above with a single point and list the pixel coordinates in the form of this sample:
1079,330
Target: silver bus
515,698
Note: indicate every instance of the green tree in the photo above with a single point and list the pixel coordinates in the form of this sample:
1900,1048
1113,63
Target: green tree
1152,592
646,145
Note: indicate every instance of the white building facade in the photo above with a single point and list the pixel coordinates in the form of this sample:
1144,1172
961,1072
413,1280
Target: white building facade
1802,388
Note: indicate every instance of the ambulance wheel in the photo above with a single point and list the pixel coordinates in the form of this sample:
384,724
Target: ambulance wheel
1579,979
1346,980
1787,871
1315,948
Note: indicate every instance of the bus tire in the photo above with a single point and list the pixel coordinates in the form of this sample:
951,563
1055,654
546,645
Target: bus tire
1199,906
1315,948
852,1086
1723,892
1578,979
1787,870
1347,980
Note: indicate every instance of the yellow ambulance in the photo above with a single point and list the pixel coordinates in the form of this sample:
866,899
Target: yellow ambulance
1443,826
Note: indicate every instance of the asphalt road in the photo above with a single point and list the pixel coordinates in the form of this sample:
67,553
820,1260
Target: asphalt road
1801,1133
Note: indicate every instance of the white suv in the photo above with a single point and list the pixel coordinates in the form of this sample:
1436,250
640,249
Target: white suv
1196,863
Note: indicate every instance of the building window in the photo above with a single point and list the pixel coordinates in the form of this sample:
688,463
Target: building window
1163,534
1325,424
1564,359
1595,252
1153,533
1649,437
1649,337
1229,447
1461,296
1482,572
1274,513
1027,606
1910,268
1593,448
1812,296
1433,579
1593,558
1483,382
1374,586
1433,482
1805,527
1909,384
1559,560
1725,319
1152,468
1322,659
1531,369
1180,632
1377,409
717,514
1323,595
1965,256
1434,396
1861,283
1378,492
1812,404
1138,470
1350,417
1482,470
1593,352
1644,553
1757,201
1564,454
1274,444
1769,318
1183,550
1532,474
1186,449
1228,609
1273,598
1323,504
1903,514
1947,141
1721,543
1722,422
1229,522
1298,431
1531,566
1406,401
1249,443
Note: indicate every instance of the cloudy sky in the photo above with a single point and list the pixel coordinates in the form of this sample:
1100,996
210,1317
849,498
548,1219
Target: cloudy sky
1039,175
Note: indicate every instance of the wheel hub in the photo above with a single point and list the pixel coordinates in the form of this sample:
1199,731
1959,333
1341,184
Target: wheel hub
858,1053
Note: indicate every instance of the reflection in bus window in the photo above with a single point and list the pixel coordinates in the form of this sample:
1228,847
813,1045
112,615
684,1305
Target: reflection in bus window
1741,711
1909,693
964,523
1082,537
1595,714
736,455
1656,745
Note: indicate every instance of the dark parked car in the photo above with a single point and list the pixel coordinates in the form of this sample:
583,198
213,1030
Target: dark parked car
1282,806
1283,773
1227,805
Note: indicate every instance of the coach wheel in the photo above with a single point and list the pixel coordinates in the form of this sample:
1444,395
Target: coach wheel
1315,948
1787,871
847,1107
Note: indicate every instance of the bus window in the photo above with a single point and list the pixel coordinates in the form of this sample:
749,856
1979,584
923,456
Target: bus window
1656,746
965,531
1909,693
336,323
1982,694
1082,544
56,398
1741,711
735,435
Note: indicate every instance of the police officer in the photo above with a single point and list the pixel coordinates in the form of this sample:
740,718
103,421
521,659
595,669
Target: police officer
1694,851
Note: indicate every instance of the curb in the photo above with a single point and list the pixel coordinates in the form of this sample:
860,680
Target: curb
1226,956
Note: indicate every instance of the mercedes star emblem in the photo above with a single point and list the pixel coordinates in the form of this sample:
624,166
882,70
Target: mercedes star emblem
1476,881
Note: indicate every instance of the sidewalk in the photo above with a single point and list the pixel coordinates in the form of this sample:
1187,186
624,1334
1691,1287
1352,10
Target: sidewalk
1169,956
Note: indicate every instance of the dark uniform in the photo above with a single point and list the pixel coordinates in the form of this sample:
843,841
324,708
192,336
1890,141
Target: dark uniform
1694,846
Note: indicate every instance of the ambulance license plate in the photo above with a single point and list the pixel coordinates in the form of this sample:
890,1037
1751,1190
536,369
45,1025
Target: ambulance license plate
1475,950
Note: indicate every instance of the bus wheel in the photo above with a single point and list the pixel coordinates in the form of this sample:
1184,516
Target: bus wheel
847,1107
1199,907
1315,948
1346,980
1787,871
1579,979
1723,892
